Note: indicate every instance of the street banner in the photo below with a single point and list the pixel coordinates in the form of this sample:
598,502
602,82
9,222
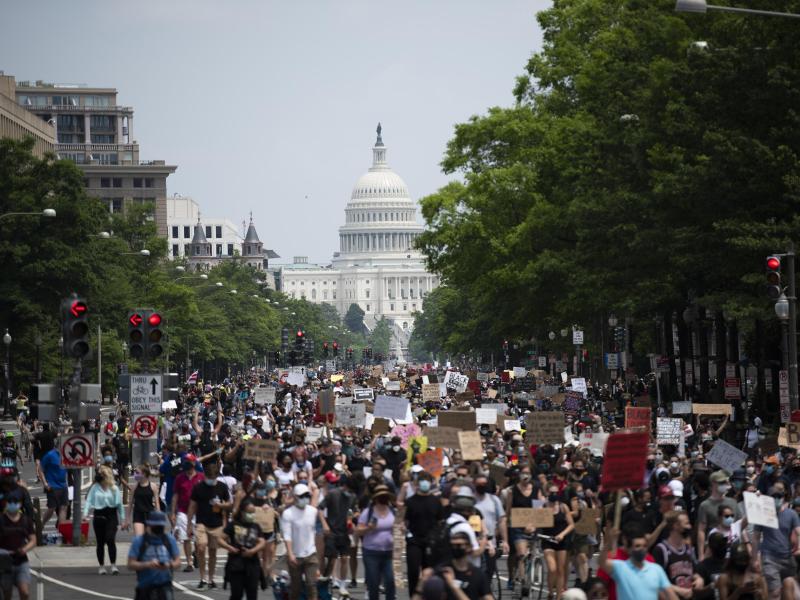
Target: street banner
261,450
460,419
351,415
391,407
760,510
681,408
144,427
625,458
432,462
532,517
485,416
726,456
668,431
637,416
442,437
545,427
77,450
711,409
470,444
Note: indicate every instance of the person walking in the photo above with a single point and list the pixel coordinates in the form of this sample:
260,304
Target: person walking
208,501
54,478
555,550
153,555
338,504
181,497
105,502
423,512
144,500
17,537
298,527
243,540
375,525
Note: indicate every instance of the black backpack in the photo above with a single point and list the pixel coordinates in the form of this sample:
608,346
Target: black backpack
438,547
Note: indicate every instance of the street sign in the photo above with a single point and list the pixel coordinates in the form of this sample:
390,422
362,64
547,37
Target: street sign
577,337
542,361
612,360
662,364
145,427
145,394
732,388
77,451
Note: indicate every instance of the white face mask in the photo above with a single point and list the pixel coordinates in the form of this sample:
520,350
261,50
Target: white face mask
751,470
301,502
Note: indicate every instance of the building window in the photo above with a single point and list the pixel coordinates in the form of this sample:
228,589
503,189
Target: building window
413,307
174,231
85,182
367,292
175,250
293,295
186,249
219,231
102,138
405,325
367,308
391,307
208,231
137,182
117,181
324,294
334,283
334,294
106,158
230,249
314,294
102,123
302,283
405,307
187,231
219,249
105,182
149,182
65,100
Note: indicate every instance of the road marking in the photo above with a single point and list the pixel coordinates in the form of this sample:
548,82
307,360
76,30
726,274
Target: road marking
75,587
186,590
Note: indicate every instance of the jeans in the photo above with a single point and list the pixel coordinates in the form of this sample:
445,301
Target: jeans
377,566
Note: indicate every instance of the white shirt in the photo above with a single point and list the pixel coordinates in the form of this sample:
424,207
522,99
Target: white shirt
299,527
231,482
283,477
492,510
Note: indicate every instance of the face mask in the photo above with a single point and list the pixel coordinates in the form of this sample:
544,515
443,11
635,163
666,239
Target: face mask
778,503
157,529
396,448
108,459
481,489
424,486
138,476
581,494
769,469
13,507
687,532
724,489
638,555
674,466
727,521
552,498
270,485
458,551
625,501
301,502
751,470
525,477
248,517
211,481
261,493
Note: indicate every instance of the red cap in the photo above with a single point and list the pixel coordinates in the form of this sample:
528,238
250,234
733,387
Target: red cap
331,477
190,457
665,492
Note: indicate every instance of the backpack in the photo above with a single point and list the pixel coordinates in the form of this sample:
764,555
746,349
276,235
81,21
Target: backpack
145,545
438,547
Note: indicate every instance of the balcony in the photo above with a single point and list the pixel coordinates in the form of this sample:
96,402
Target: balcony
97,147
79,109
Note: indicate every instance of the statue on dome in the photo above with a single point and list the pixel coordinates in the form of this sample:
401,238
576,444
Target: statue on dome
379,140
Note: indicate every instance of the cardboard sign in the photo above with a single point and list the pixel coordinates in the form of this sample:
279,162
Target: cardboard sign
668,431
545,427
485,416
391,407
430,392
532,517
351,415
463,420
261,450
792,430
625,458
432,462
498,474
442,437
636,416
499,408
380,426
327,402
470,443
491,393
467,396
726,456
760,510
681,408
587,524
482,377
711,409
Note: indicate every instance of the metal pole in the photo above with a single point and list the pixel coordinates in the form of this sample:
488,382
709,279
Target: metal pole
100,361
792,329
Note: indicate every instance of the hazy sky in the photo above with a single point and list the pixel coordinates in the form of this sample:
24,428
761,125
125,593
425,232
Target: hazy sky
271,105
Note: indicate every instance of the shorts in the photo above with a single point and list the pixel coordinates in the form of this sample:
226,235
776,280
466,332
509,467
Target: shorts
139,516
337,545
57,497
516,534
777,569
580,545
20,574
206,536
181,521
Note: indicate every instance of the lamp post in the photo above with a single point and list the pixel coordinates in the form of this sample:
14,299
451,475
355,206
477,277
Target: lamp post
7,342
38,343
612,324
61,368
701,6
782,311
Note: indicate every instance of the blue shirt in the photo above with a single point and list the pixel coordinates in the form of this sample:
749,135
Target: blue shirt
637,584
155,550
775,542
54,473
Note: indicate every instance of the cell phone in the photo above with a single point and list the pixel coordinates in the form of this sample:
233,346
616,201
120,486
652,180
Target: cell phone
373,521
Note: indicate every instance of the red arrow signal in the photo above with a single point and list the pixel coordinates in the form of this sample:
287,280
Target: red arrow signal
135,319
78,308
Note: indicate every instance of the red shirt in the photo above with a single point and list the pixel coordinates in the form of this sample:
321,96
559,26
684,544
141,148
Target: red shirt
182,490
620,554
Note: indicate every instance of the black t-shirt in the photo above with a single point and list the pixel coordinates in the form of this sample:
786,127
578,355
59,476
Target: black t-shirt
338,504
14,536
473,583
324,462
243,535
205,495
709,569
422,514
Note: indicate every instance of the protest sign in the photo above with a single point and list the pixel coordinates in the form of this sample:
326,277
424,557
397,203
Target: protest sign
587,524
392,386
557,399
327,402
391,407
314,433
485,416
726,456
297,379
491,393
261,449
380,426
532,517
636,416
668,431
406,432
509,424
432,462
681,408
579,384
711,409
362,394
625,458
519,372
498,474
265,395
548,391
760,510
459,419
470,443
599,440
792,434
351,415
482,377
430,392
499,408
545,427
442,437
572,402
465,397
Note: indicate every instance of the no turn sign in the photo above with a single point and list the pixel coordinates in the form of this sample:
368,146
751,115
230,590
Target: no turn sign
145,427
77,451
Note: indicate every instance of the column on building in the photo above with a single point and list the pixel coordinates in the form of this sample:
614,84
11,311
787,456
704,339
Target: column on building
87,133
119,129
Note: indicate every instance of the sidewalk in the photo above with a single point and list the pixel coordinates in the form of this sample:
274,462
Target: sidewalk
69,556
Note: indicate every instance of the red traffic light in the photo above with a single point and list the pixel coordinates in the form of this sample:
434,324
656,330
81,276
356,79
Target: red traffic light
135,319
335,344
773,263
154,320
299,333
78,308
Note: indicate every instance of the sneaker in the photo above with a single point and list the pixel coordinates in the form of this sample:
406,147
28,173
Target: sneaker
188,569
212,585
201,585
510,584
101,571
343,592
263,581
114,570
352,584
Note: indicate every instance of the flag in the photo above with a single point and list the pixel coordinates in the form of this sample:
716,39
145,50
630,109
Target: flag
192,378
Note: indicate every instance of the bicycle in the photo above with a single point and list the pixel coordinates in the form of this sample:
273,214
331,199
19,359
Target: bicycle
534,583
494,581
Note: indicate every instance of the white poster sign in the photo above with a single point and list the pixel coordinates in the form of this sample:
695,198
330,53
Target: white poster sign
579,385
760,510
726,456
391,407
519,372
297,379
681,408
487,416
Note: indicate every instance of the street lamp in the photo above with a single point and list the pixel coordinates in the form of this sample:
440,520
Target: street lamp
47,212
124,351
552,335
782,308
180,268
7,342
143,252
234,292
564,332
701,6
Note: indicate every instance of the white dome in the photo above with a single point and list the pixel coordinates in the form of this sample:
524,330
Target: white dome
380,183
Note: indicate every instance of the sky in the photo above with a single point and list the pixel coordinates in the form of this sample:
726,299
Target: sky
270,106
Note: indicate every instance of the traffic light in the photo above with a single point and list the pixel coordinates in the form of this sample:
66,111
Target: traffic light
335,349
136,334
325,349
284,339
308,350
154,334
74,316
774,289
299,340
277,357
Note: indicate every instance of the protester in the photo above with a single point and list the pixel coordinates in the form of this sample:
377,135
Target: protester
153,555
208,501
104,501
144,500
375,525
298,526
54,478
181,498
243,540
17,538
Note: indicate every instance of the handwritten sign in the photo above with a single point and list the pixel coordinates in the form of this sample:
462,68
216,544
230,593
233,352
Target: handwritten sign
637,416
351,415
430,392
265,395
626,454
587,524
391,407
792,430
711,409
572,402
760,510
406,432
498,474
532,517
442,437
261,450
511,425
726,456
470,443
668,431
432,461
579,385
485,416
681,408
545,427
460,419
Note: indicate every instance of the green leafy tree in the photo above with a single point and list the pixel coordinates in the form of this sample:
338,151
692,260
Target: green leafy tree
354,319
381,337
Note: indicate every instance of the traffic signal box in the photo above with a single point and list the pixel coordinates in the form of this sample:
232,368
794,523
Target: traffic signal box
75,327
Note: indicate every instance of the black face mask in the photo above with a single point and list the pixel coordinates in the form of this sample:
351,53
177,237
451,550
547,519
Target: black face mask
638,555
157,529
458,551
651,464
553,497
481,489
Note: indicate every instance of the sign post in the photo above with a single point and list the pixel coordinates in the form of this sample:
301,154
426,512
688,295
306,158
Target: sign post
145,406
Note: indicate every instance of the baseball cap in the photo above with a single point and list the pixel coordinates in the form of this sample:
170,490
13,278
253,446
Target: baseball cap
665,492
676,485
331,477
417,469
300,489
772,460
156,518
719,477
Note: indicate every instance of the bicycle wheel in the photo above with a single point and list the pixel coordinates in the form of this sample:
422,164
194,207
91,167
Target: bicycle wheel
497,585
538,579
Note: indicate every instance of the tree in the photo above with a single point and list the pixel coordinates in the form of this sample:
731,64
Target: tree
381,337
354,319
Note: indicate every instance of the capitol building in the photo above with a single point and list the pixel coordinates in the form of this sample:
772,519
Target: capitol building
376,266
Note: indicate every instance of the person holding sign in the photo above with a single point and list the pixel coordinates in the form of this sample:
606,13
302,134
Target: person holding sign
740,581
776,546
522,495
555,551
